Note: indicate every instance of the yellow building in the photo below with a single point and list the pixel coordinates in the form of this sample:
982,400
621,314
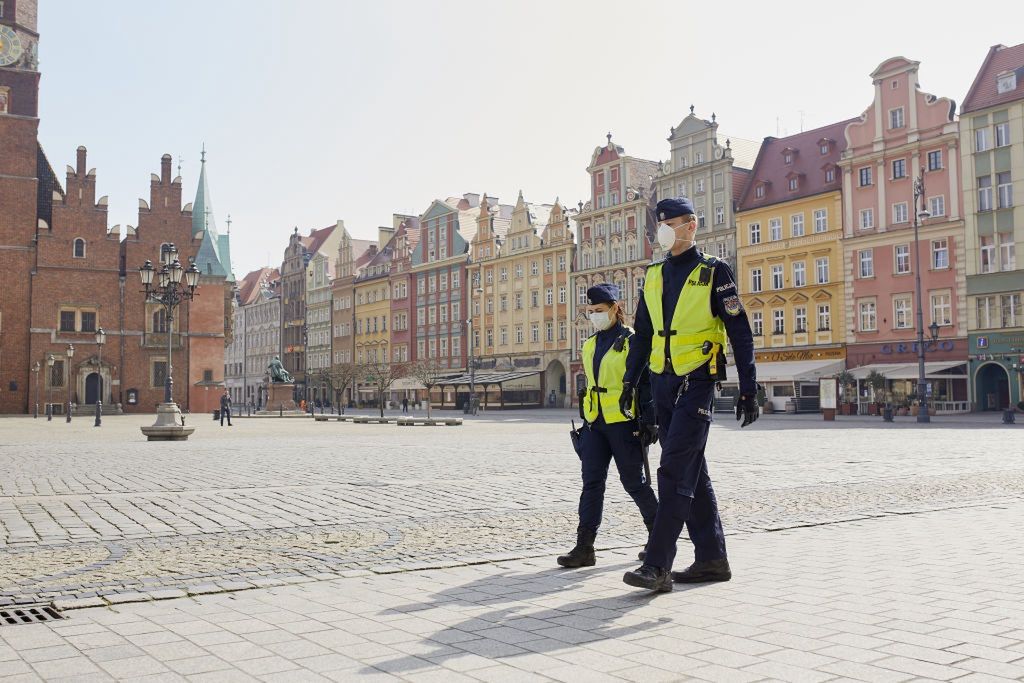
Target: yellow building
790,267
372,295
521,307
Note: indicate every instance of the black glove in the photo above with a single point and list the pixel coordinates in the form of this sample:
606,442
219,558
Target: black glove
626,400
747,409
648,434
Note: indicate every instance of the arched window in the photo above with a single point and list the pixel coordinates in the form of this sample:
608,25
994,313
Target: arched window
79,248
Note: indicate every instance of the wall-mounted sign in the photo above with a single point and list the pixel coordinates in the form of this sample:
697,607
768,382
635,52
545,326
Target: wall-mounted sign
945,345
803,354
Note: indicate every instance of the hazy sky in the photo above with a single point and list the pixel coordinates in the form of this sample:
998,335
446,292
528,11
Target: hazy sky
315,110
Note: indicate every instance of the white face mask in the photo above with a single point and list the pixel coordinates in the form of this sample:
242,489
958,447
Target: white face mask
666,236
600,320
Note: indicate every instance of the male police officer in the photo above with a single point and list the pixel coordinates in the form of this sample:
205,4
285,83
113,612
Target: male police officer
690,303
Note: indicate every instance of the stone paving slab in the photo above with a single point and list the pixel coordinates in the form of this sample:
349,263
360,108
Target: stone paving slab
931,596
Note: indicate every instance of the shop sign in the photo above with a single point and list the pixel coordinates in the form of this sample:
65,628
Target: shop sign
803,354
929,347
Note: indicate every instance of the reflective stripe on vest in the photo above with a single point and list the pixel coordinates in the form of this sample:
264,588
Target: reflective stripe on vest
606,390
692,322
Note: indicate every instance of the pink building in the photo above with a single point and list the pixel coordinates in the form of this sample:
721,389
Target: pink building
902,159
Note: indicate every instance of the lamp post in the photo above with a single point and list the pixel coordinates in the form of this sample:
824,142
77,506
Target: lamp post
71,354
101,339
49,387
175,284
922,389
35,369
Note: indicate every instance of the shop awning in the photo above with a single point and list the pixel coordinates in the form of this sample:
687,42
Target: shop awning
407,384
797,370
937,369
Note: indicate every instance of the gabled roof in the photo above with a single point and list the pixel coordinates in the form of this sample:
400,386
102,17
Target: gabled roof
771,171
250,286
315,239
744,152
983,93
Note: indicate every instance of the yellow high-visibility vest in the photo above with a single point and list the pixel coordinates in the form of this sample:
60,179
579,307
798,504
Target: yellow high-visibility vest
695,336
603,394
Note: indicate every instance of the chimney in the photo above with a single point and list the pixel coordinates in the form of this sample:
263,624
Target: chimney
165,169
81,170
383,235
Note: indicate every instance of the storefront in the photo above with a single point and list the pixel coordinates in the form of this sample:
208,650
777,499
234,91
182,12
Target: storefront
945,374
496,390
996,366
791,377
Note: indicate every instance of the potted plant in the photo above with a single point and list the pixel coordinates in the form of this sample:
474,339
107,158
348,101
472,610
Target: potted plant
876,381
847,390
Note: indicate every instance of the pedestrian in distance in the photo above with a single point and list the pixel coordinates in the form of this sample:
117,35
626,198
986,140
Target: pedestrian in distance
225,408
609,431
405,404
689,309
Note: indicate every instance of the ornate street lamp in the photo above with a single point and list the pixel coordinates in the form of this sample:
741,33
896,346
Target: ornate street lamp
71,354
35,369
101,339
49,387
174,285
922,389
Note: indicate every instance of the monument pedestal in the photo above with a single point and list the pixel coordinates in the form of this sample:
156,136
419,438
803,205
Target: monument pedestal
168,425
280,400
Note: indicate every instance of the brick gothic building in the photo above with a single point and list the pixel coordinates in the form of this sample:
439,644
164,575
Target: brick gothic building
63,274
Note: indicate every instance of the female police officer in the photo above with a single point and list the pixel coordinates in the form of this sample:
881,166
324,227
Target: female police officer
607,432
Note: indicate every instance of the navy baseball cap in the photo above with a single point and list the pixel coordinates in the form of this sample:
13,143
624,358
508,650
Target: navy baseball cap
674,207
604,293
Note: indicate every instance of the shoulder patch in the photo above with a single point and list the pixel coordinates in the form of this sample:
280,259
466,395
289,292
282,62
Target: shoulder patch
725,288
732,305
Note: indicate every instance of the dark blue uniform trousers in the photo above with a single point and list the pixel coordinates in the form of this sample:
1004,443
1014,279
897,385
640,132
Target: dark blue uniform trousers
602,442
684,487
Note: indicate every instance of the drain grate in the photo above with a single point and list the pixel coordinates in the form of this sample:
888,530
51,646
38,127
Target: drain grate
28,615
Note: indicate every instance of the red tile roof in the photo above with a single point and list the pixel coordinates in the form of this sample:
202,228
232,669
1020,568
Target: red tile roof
808,164
316,238
249,287
983,93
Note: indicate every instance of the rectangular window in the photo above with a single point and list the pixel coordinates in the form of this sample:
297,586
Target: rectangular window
503,303
902,259
534,332
942,308
159,373
987,314
443,281
901,317
899,212
775,229
561,263
549,331
778,321
937,205
896,118
777,280
940,254
67,321
820,220
719,215
867,218
755,233
443,311
431,317
519,334
444,347
799,274
757,323
534,268
561,330
868,316
519,270
534,298
581,295
755,280
821,268
866,259
547,265
519,301
800,319
503,276
824,317
935,160
561,295
796,225
987,252
1007,254
1002,134
549,296
899,169
1011,314
981,140
1004,190
759,191
864,175
985,193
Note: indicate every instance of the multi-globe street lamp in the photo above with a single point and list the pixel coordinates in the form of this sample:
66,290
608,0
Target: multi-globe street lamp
101,339
71,353
920,214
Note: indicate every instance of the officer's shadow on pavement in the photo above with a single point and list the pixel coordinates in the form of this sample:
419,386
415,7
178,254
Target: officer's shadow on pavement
523,621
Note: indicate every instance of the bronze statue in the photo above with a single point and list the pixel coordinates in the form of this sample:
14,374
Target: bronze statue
277,371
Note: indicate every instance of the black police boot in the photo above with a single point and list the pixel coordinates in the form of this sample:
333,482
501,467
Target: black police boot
642,555
649,577
583,554
704,572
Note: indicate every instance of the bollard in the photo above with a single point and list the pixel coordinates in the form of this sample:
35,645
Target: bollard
1008,416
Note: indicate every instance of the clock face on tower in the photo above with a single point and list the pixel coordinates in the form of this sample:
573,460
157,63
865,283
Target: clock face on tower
10,46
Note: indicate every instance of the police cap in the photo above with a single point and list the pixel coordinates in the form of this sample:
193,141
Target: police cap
674,207
604,293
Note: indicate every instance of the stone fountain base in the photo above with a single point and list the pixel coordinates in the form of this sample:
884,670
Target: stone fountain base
168,426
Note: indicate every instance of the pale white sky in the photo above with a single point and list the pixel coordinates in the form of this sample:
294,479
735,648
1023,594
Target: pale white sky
315,110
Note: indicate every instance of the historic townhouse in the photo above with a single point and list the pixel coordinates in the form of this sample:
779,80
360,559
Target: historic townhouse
372,296
521,309
319,273
407,235
902,164
992,153
353,255
256,338
789,236
713,174
614,234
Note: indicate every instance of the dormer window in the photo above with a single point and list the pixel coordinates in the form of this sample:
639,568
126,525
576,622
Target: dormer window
793,184
830,175
825,146
1006,82
896,118
759,191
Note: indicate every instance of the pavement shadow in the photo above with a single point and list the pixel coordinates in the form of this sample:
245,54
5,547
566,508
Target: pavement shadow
523,622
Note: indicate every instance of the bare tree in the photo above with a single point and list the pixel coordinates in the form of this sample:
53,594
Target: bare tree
381,374
427,372
343,376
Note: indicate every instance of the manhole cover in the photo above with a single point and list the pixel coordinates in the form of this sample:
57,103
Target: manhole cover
32,614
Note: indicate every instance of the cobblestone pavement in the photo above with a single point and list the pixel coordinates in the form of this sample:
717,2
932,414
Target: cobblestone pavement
94,516
928,596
